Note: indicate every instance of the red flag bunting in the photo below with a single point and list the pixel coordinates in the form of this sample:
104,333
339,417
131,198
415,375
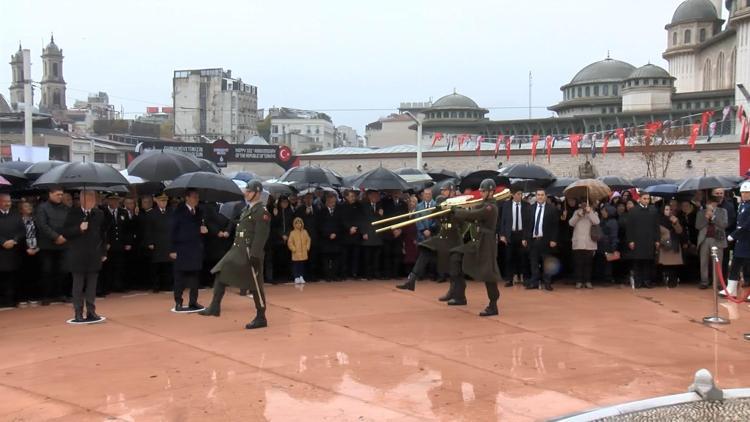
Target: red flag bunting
605,144
744,133
621,136
497,143
534,141
436,137
652,128
741,113
705,117
574,139
694,131
479,144
461,140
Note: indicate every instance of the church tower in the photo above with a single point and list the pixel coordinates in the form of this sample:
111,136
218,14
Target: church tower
16,86
53,84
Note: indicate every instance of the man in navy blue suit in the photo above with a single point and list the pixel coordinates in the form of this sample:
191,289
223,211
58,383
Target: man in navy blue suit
187,234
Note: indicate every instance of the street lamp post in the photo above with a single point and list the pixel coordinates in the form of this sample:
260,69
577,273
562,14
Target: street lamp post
419,138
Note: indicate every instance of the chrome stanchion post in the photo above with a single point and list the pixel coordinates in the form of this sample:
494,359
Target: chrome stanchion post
715,318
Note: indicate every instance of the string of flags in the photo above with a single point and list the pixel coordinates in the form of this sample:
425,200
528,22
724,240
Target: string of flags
621,135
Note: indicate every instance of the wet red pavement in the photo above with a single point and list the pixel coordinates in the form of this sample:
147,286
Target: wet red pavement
364,351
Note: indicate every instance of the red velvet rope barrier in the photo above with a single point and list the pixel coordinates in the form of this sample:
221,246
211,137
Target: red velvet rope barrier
720,275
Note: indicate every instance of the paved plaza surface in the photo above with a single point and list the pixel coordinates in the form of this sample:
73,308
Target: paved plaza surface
364,351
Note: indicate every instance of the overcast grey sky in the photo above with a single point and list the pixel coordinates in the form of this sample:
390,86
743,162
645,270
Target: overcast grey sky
336,55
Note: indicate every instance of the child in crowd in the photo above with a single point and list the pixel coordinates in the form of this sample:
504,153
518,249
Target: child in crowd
299,245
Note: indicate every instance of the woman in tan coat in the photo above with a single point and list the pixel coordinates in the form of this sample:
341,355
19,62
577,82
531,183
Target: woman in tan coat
670,249
299,244
583,246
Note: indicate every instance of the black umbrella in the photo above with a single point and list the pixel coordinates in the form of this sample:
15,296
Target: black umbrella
439,186
529,185
231,210
557,187
616,182
381,179
442,174
472,179
644,182
208,166
313,175
705,182
112,189
313,189
37,169
663,191
408,170
16,165
211,187
158,166
15,177
81,175
527,171
276,188
245,176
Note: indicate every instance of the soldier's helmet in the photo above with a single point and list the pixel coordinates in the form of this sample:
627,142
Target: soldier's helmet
487,185
254,186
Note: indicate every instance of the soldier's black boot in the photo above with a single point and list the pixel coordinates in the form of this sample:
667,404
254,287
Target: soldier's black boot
490,310
448,295
411,283
214,309
79,315
259,321
458,294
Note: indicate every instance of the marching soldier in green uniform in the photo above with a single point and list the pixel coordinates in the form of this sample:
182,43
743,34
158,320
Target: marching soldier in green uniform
449,236
478,258
242,265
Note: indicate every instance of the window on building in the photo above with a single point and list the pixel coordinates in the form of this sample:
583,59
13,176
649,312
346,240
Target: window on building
614,89
679,106
702,35
588,91
274,128
636,82
605,90
689,105
461,115
317,130
611,109
655,82
105,158
56,98
596,90
579,91
54,70
309,131
674,38
688,36
454,115
604,111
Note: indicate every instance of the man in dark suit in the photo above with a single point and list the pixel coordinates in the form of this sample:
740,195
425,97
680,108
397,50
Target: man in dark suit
542,240
86,231
393,240
120,236
12,236
187,250
515,226
330,230
49,219
372,243
351,239
156,237
642,234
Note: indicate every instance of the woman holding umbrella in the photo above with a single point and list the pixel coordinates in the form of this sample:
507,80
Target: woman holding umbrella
670,251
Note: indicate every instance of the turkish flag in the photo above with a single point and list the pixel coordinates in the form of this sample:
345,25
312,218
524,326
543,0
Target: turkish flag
621,136
574,139
694,131
461,140
605,144
534,141
436,137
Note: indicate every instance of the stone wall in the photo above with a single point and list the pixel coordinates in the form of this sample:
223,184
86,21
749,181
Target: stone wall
709,159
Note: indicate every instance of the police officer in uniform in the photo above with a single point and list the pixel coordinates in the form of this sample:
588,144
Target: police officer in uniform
741,234
121,238
478,258
449,236
242,265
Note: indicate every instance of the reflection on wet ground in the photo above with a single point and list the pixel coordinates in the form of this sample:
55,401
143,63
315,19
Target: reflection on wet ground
364,351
